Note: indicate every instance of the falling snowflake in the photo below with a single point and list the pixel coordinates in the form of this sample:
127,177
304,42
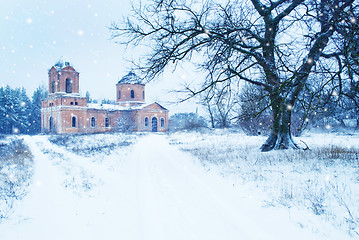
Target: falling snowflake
80,32
12,178
29,20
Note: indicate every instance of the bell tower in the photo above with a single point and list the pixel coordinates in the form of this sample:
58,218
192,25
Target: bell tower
63,78
130,91
62,111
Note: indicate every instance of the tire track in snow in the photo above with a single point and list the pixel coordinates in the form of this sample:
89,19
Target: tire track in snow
176,199
175,202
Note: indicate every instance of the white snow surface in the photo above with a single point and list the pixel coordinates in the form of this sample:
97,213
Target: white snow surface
118,107
149,190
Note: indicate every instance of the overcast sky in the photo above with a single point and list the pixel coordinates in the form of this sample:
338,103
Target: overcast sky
35,34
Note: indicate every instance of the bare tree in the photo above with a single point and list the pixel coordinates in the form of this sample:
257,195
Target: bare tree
220,100
126,122
276,44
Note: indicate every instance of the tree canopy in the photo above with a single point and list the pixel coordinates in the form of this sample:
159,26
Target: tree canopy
293,49
19,114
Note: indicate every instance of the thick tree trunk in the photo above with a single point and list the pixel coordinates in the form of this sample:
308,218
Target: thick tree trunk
280,136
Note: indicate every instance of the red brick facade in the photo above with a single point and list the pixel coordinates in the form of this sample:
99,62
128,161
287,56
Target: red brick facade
129,93
64,111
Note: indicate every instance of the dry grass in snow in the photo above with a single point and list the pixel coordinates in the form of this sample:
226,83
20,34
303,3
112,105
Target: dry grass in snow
322,183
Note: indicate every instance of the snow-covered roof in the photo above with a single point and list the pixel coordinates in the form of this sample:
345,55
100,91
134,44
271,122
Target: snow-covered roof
131,78
119,107
62,63
106,106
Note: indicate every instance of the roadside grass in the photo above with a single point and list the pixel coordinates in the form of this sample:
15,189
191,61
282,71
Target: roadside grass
70,151
16,171
323,180
91,144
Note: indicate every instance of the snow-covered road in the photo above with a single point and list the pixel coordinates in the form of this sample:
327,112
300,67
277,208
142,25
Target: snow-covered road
155,192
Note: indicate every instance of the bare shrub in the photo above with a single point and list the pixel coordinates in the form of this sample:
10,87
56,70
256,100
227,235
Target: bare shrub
316,197
343,195
16,170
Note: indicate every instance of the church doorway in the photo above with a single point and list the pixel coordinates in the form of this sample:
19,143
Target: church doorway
154,124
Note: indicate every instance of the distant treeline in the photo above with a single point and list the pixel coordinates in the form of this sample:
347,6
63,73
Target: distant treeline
19,113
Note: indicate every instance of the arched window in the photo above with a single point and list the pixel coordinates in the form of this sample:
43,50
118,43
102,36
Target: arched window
51,124
68,85
162,122
93,122
143,95
146,121
107,122
73,121
132,94
119,94
53,86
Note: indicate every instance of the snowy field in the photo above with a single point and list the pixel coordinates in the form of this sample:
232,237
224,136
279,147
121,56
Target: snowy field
318,187
189,185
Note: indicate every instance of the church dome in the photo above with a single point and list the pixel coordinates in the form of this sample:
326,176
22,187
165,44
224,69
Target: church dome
62,63
131,78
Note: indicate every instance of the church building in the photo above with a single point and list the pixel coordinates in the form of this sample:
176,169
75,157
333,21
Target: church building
65,111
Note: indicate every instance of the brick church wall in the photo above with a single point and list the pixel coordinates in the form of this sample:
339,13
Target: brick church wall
159,114
126,88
